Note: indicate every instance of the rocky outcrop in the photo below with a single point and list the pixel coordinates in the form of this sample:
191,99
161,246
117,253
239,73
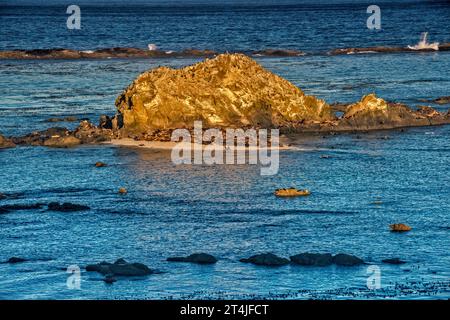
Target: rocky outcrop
199,258
312,259
120,268
6,143
231,90
374,113
266,259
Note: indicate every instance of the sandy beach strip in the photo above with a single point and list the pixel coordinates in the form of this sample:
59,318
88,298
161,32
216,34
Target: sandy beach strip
169,145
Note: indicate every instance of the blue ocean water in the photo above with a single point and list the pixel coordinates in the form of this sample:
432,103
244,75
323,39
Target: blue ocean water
370,181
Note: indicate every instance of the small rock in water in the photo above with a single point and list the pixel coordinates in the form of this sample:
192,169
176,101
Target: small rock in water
442,100
120,268
100,164
15,260
266,259
343,259
399,227
292,192
109,279
394,261
200,258
312,259
66,207
123,191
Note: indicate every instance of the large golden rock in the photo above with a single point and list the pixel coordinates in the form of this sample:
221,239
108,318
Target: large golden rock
231,90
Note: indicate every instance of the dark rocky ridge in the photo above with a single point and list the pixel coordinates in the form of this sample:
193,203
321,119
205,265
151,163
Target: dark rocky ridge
137,53
383,49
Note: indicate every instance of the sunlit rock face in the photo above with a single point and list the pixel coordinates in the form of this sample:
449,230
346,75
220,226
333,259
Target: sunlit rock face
231,90
372,113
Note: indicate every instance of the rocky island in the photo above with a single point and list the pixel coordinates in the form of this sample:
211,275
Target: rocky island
230,90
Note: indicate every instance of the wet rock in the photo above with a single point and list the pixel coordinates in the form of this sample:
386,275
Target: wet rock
343,259
292,192
67,207
100,164
13,260
312,259
200,258
266,259
394,261
6,143
399,227
62,142
120,268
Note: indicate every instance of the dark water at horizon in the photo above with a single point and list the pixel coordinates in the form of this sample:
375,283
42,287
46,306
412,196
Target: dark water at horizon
370,181
310,26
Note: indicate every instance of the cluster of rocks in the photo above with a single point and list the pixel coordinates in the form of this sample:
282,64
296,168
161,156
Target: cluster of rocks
60,137
305,259
53,206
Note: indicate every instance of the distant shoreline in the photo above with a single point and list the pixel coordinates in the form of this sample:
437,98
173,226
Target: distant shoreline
129,52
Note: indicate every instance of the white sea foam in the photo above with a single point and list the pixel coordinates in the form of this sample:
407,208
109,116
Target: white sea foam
424,45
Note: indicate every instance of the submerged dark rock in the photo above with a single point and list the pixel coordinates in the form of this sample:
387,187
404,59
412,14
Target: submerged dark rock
312,259
343,259
109,279
120,268
266,259
67,207
200,258
394,261
16,207
14,260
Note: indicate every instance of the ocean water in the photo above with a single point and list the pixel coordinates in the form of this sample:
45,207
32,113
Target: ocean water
370,180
